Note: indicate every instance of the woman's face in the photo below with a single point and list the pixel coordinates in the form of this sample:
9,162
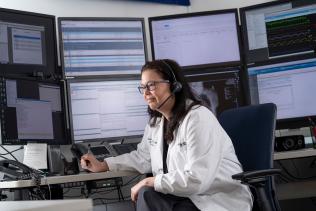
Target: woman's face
160,88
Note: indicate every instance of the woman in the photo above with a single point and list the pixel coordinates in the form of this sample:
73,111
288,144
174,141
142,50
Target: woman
191,157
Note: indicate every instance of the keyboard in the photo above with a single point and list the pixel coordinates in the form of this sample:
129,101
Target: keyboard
124,148
101,152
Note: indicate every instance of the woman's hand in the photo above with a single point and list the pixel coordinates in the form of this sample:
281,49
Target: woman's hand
89,162
149,181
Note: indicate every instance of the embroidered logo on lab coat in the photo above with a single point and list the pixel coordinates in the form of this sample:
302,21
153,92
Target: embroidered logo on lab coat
152,142
182,146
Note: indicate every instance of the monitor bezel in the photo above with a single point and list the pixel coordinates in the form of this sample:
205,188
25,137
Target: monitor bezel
195,14
31,70
287,123
98,79
60,84
61,46
243,27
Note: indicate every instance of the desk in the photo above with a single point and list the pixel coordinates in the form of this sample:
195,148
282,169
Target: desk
48,205
295,154
65,179
297,189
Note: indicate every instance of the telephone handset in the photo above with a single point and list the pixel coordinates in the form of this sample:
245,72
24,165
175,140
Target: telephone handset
100,152
15,170
78,150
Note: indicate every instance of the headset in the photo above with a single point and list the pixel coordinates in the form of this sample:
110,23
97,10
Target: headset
176,85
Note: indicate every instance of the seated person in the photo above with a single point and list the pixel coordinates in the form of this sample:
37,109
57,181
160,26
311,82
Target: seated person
190,155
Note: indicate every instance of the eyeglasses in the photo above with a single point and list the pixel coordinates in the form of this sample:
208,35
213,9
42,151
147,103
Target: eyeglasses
150,86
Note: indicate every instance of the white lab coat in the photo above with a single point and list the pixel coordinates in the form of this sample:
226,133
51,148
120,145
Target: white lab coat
201,160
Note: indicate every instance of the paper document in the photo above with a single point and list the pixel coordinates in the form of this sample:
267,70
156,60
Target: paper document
35,155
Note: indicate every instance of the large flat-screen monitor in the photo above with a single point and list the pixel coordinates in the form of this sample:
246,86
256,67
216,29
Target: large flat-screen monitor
27,43
32,111
278,29
102,46
219,90
197,39
290,85
106,110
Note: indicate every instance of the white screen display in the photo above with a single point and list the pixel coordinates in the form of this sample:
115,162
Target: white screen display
288,85
107,109
196,40
100,47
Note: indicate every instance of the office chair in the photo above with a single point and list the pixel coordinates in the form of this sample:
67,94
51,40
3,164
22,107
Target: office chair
251,130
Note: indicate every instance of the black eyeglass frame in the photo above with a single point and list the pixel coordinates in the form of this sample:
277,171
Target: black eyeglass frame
150,86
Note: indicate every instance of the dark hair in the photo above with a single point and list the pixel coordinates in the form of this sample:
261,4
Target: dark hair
180,108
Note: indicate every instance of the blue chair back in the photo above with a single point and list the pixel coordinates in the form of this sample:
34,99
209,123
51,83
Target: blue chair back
251,129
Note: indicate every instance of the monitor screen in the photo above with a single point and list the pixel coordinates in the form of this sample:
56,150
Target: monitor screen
288,84
197,39
27,43
218,90
278,29
102,46
106,110
32,111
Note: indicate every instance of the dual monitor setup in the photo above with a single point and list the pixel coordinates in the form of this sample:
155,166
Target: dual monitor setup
268,57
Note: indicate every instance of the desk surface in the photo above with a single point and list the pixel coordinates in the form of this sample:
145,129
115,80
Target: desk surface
65,179
295,154
104,175
48,205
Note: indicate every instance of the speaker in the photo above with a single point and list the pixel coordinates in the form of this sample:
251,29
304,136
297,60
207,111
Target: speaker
287,143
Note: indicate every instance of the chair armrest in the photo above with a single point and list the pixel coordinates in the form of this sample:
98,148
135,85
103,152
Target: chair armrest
255,174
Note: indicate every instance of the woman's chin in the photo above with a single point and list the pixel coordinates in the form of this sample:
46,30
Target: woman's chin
152,106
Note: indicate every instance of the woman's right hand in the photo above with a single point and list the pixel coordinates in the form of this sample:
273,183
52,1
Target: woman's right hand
90,163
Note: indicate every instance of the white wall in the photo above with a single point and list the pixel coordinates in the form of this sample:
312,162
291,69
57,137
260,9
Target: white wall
119,8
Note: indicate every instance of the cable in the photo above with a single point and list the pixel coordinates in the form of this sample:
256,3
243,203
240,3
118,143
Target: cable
131,180
36,178
9,153
50,192
119,193
5,158
103,191
12,151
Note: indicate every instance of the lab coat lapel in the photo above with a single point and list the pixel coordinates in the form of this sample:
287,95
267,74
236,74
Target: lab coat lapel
159,148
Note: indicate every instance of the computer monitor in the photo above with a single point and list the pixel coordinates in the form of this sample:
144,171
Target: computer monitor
219,90
278,29
290,85
32,111
106,110
102,46
197,39
27,43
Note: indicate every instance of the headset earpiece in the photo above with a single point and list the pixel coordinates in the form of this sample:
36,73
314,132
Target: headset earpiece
176,86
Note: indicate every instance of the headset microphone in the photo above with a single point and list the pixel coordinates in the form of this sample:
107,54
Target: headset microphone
161,104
